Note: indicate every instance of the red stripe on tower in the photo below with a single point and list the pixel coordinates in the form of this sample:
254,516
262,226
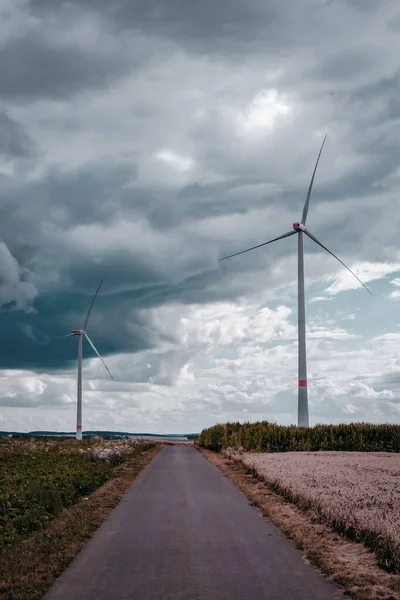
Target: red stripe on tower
79,427
302,382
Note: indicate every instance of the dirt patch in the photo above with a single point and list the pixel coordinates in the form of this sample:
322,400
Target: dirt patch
347,563
29,568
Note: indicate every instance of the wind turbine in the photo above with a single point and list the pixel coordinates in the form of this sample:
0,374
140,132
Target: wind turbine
81,333
299,229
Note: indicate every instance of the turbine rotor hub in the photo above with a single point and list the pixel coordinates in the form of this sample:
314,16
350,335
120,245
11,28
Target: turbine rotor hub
298,227
77,331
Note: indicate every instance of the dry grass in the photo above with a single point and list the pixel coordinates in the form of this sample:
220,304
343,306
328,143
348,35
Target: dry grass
347,563
29,568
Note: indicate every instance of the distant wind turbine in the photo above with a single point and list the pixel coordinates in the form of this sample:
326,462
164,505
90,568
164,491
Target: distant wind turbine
81,333
300,229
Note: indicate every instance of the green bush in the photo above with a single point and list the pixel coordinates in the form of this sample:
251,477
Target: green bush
269,437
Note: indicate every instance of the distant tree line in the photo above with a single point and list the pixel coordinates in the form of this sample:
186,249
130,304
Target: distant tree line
107,435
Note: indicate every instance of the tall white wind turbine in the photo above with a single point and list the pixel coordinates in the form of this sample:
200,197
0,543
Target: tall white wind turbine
81,333
300,229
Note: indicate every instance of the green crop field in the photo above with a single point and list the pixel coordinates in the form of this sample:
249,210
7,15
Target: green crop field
38,478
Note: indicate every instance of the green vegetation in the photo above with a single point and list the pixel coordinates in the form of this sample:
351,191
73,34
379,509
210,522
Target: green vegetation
31,561
268,437
40,478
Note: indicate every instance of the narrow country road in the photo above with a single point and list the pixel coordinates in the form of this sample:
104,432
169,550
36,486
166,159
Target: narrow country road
183,531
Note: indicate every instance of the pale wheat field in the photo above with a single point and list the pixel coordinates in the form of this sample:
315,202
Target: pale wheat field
357,493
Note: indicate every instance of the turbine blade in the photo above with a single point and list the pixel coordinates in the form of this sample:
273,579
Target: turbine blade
311,236
307,203
91,306
259,245
95,349
64,336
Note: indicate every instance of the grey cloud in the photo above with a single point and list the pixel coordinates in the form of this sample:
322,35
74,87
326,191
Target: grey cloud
159,368
390,381
26,401
14,141
22,401
367,6
35,68
28,392
342,66
203,22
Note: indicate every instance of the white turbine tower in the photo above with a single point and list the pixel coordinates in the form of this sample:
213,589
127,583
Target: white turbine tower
81,333
300,229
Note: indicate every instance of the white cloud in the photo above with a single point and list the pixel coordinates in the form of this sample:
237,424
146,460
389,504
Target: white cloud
13,288
396,293
262,112
319,299
361,390
366,271
224,361
177,162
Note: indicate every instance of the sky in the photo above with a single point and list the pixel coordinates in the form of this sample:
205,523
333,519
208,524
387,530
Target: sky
140,142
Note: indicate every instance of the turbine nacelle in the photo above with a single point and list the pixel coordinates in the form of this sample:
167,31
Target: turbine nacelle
298,227
77,332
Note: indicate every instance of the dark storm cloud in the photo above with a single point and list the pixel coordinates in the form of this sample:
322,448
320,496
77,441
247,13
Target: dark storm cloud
57,223
197,24
117,324
57,50
35,68
264,29
30,338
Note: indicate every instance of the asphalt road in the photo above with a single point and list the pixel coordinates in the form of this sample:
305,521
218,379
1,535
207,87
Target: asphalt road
183,531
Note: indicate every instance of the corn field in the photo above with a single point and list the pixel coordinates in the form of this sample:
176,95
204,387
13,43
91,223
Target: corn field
269,437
